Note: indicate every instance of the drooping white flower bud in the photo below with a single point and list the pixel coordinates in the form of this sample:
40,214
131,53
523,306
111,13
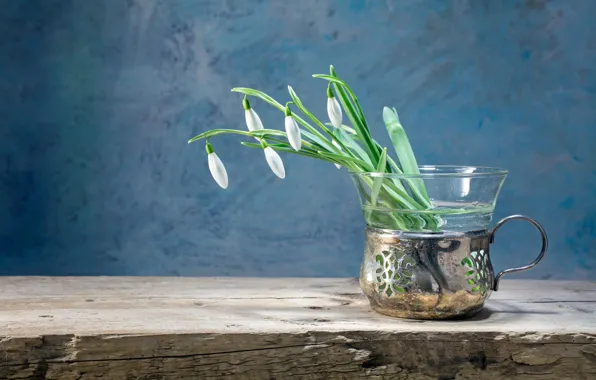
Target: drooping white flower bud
292,130
216,167
274,160
253,121
333,109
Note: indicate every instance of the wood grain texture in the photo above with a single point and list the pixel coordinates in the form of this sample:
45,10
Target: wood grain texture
246,328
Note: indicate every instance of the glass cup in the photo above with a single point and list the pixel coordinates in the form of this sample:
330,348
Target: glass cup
427,252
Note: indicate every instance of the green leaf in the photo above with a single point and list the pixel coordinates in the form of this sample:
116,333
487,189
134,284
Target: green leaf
352,145
354,112
400,141
314,139
469,273
344,128
404,152
348,137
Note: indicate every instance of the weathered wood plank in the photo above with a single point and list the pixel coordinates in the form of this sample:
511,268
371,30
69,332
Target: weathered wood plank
243,328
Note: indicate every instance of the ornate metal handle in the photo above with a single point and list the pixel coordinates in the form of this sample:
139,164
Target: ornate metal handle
533,263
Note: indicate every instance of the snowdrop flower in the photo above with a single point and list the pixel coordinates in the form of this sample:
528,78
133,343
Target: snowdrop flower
333,109
253,121
337,146
216,167
274,161
292,130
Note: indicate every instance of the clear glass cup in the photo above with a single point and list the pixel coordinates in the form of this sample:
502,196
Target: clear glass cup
440,198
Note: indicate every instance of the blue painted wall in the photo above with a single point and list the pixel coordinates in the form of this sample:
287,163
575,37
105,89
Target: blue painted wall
98,99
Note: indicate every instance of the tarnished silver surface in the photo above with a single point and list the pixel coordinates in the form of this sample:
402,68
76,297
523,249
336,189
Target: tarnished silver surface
432,275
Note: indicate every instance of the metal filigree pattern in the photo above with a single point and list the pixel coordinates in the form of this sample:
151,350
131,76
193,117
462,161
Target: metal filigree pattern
478,275
394,271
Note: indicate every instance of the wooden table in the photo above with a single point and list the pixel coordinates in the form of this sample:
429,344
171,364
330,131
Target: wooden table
247,328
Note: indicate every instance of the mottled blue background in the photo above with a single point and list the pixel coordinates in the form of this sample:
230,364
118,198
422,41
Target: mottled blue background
98,99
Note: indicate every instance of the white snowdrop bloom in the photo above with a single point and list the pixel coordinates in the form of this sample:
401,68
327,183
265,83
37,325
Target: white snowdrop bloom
333,109
292,130
275,162
253,121
217,168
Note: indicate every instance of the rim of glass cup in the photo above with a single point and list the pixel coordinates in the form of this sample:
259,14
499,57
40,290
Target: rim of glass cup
434,171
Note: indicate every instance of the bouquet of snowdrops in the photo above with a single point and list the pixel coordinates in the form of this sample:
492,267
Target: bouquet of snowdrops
388,200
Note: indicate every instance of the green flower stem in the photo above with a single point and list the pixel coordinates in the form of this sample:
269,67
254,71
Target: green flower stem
307,153
263,133
398,223
392,200
396,198
377,182
215,132
357,123
350,140
298,103
360,163
311,133
393,167
313,138
312,117
315,135
305,144
352,145
403,197
355,115
399,187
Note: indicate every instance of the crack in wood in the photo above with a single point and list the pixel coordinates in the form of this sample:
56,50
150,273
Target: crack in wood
41,371
70,361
